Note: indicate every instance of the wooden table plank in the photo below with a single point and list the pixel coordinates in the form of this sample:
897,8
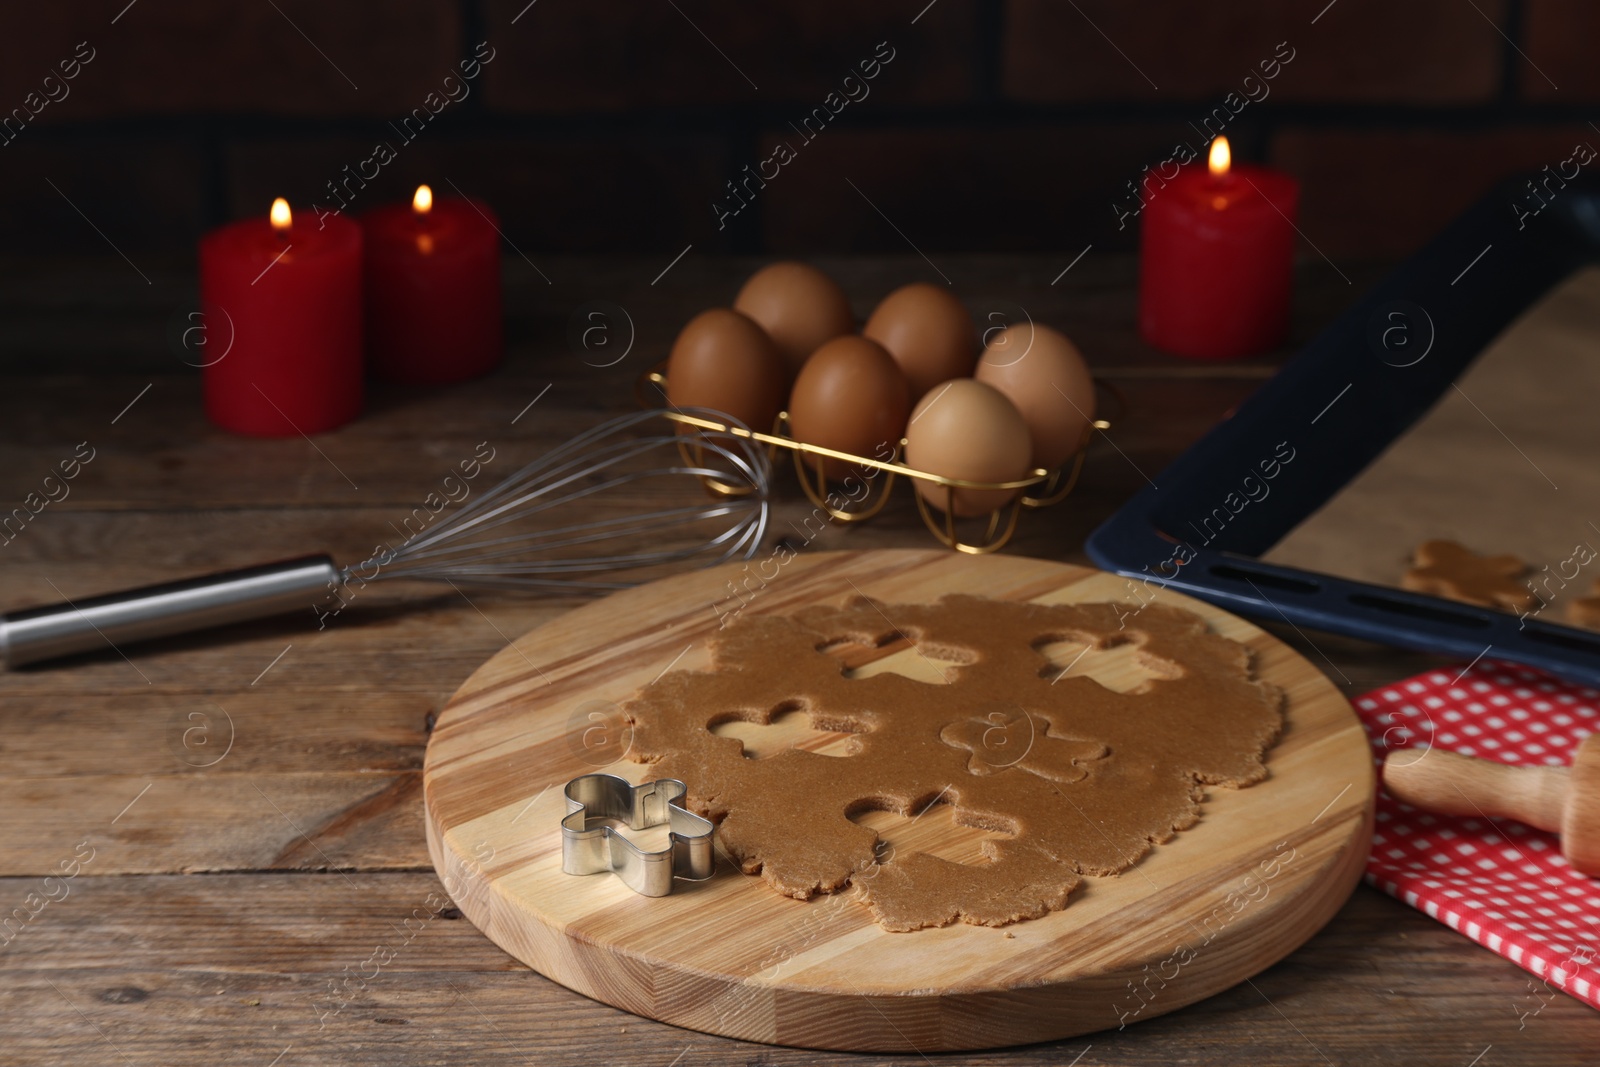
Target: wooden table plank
169,969
187,732
148,823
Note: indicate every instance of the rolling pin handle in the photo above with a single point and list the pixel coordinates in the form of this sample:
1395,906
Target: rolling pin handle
1451,784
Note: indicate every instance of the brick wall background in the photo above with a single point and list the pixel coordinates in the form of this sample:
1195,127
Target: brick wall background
602,125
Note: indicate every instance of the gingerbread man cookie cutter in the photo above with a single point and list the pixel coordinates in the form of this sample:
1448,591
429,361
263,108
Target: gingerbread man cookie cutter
589,849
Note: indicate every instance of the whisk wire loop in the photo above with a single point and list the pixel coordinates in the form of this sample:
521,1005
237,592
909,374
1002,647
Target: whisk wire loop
497,539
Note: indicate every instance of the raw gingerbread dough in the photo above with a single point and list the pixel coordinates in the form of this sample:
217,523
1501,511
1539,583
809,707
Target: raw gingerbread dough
1085,778
1585,611
1446,569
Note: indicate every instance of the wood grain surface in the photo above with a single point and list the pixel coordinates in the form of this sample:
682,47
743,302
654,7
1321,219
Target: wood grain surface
1261,872
141,964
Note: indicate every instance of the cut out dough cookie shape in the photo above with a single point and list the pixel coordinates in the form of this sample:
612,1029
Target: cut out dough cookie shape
1082,777
1585,611
1446,569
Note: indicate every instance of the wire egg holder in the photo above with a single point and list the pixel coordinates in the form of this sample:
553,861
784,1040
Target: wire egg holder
1050,487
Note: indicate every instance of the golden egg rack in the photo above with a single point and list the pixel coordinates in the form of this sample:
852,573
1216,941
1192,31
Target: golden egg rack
1049,487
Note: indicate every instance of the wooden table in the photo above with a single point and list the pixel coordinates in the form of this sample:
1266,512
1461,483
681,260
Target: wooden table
251,798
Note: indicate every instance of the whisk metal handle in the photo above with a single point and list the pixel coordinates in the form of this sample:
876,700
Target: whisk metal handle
171,608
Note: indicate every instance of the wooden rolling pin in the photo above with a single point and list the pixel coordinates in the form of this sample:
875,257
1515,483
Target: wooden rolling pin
1562,800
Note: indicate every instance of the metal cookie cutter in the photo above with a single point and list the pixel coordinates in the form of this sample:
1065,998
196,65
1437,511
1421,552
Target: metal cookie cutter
601,849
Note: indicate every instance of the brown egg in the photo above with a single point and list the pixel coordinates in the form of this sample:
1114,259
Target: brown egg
928,332
722,360
799,306
966,429
1042,372
852,397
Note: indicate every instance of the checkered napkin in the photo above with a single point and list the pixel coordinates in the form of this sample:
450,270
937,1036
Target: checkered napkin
1504,885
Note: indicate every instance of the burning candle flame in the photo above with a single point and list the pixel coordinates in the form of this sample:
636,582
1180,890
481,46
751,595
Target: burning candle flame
422,202
1221,158
280,215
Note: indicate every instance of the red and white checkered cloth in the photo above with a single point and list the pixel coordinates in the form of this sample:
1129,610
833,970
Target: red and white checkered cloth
1504,885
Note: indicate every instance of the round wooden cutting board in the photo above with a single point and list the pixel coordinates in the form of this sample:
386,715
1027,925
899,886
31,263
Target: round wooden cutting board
1263,869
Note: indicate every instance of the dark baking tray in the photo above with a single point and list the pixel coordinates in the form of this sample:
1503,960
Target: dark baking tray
1339,403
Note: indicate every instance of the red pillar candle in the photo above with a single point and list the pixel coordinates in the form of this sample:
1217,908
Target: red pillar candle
433,290
282,307
1217,260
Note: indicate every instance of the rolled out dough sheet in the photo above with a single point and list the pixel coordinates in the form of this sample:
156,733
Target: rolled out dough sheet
1508,461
